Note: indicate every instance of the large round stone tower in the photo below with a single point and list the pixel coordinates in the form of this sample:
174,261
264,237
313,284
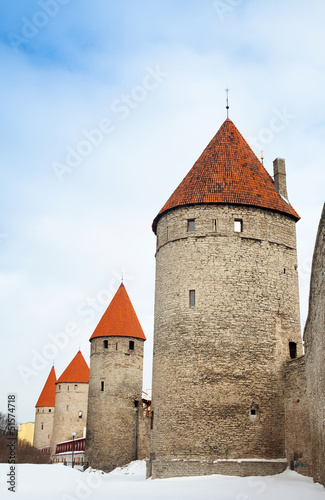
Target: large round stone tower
115,386
44,413
71,400
226,316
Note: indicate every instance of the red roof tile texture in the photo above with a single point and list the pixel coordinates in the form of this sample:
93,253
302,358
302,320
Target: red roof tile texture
76,372
47,397
119,319
228,171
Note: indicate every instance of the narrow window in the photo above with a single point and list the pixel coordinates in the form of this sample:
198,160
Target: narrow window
136,403
253,411
284,270
131,345
37,410
191,225
151,423
67,407
105,344
50,410
102,386
116,346
192,298
68,388
238,226
167,233
76,387
42,427
214,225
59,388
80,414
293,350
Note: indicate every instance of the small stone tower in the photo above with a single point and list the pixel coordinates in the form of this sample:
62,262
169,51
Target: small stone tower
226,316
71,400
44,413
115,386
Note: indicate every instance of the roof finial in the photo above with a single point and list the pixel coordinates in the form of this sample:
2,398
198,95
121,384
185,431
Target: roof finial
227,107
122,277
262,158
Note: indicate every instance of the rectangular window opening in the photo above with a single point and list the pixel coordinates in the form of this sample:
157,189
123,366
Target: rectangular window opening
192,298
238,225
191,225
102,386
214,225
293,350
105,344
131,345
116,346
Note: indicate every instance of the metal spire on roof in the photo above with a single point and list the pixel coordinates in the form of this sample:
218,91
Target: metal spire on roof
227,107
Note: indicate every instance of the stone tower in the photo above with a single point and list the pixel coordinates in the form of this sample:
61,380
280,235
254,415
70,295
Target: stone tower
226,316
44,413
115,386
71,402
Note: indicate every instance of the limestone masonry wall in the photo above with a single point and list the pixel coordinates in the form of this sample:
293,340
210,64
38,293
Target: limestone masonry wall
44,417
70,400
115,385
218,376
314,337
297,410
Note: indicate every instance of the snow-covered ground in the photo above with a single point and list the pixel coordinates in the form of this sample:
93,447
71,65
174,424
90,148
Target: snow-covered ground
57,482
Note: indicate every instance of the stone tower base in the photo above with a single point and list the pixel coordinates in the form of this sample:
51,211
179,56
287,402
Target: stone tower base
185,468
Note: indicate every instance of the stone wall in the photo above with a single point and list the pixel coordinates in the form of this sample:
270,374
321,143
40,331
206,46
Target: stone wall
314,337
70,400
218,384
297,409
144,436
43,430
113,418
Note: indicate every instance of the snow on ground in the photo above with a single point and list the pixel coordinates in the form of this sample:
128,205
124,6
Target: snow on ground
57,482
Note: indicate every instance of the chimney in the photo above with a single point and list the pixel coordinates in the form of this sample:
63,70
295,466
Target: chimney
280,181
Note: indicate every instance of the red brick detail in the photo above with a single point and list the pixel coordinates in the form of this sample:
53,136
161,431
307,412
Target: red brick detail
119,319
47,397
228,171
76,372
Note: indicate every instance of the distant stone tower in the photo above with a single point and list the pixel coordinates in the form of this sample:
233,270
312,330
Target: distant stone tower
44,413
115,386
71,400
226,316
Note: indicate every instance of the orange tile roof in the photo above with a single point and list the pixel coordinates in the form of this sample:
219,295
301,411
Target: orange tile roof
119,319
229,172
76,372
47,397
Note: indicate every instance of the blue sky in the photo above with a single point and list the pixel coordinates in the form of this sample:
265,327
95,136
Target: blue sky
145,81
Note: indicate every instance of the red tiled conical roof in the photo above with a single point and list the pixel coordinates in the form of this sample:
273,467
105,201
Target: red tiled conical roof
228,171
76,372
47,397
119,319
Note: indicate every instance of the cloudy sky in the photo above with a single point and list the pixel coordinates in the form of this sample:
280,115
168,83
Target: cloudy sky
105,106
